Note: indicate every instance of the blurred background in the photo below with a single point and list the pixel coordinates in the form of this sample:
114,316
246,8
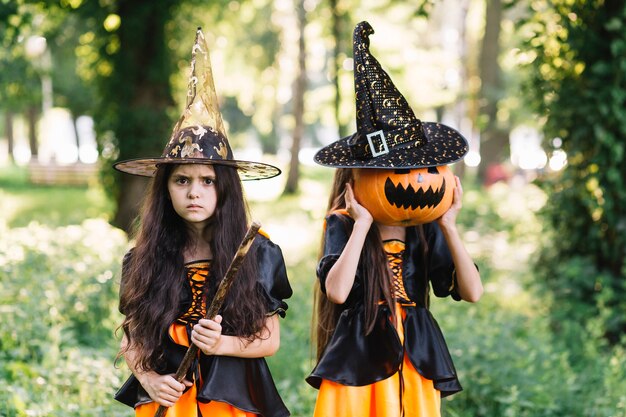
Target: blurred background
537,87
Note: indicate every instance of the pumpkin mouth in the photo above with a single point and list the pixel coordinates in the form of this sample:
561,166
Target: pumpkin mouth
399,196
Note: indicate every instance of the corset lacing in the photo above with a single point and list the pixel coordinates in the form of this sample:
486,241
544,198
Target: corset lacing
197,273
394,250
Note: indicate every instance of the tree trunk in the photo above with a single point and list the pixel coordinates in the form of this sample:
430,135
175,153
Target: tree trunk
129,202
337,21
299,89
31,115
494,143
462,102
8,129
75,126
140,93
270,142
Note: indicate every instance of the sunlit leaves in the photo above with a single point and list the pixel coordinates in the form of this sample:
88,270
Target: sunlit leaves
74,4
577,81
112,22
86,56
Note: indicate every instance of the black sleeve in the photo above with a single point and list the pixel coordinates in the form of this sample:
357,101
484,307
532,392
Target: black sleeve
272,278
441,272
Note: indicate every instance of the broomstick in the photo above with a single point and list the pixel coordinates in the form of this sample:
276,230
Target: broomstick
216,304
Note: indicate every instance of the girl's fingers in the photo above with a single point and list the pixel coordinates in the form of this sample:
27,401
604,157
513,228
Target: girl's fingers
458,185
349,194
170,392
211,325
172,386
201,339
206,333
349,191
164,389
165,403
170,397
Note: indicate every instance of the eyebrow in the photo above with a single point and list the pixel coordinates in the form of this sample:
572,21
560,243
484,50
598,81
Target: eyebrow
204,177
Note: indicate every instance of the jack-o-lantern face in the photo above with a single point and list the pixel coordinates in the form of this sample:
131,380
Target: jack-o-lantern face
405,197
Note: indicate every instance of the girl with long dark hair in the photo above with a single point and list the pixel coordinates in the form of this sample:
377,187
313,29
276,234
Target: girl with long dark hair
380,352
193,218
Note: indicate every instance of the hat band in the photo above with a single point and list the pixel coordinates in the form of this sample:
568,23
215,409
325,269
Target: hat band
380,142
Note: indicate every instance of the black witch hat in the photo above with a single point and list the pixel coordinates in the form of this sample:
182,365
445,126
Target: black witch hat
388,133
199,136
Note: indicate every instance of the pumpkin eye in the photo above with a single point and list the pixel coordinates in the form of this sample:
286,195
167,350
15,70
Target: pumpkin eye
433,170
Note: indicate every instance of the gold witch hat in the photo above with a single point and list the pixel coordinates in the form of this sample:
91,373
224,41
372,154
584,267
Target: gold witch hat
199,136
388,133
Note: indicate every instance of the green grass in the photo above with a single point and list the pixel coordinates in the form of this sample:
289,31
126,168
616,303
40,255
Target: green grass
22,202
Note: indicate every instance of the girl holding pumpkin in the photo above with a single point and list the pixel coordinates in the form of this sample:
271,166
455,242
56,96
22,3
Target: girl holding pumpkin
193,219
386,241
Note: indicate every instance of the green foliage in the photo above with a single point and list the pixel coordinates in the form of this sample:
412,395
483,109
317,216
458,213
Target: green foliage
20,70
19,81
58,292
73,87
133,81
578,83
512,364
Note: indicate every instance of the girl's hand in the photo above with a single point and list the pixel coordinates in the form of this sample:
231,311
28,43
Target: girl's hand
448,219
163,389
356,211
207,335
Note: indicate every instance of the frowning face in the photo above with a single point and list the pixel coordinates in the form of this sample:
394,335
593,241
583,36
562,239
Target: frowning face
405,197
193,193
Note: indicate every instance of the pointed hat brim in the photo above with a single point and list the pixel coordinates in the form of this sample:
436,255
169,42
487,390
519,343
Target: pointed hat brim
247,170
444,146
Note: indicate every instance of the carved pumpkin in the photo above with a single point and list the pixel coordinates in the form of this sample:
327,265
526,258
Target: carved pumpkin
405,197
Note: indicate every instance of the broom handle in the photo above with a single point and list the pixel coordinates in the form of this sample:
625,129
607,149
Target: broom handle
216,304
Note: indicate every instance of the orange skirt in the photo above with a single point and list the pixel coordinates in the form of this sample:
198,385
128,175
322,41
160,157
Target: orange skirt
187,405
382,398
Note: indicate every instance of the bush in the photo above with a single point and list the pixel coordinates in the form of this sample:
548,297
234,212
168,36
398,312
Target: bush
576,81
512,364
59,312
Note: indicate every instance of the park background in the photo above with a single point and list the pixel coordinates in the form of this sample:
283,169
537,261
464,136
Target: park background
538,88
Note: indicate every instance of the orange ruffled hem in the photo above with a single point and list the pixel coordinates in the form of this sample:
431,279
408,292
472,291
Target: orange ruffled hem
382,398
187,405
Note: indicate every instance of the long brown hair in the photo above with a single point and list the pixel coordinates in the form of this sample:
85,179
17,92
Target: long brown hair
154,279
373,264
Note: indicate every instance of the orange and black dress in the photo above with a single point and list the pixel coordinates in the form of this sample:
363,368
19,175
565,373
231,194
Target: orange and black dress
223,386
401,368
